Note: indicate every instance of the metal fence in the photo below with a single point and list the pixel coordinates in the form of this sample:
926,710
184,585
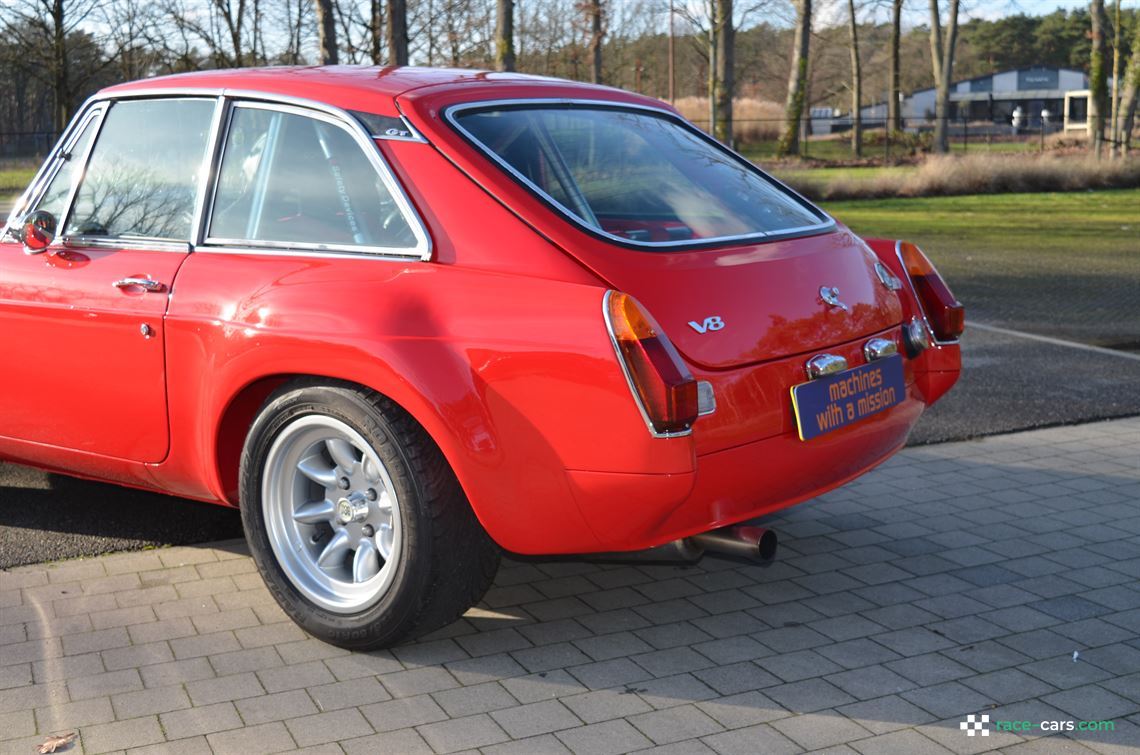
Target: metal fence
26,144
829,138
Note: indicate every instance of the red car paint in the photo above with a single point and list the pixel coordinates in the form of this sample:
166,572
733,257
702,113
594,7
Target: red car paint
496,345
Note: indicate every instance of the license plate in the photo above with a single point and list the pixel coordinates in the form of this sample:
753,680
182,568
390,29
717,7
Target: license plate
844,398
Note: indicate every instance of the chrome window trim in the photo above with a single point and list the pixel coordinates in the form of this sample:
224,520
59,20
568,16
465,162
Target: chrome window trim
280,250
918,301
135,242
827,223
33,193
141,243
333,116
629,378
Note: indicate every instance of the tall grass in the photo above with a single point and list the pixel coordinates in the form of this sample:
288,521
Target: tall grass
753,120
947,175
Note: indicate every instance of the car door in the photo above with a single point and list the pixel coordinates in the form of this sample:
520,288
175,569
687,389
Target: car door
82,323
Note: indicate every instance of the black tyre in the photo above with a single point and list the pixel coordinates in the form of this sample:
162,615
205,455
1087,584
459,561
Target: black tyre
355,520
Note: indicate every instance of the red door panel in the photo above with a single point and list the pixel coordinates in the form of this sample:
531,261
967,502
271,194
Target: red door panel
83,360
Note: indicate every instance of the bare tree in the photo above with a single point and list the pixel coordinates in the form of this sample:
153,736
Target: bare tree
942,60
797,81
505,35
326,26
596,14
856,84
722,57
894,114
1130,96
1098,84
397,32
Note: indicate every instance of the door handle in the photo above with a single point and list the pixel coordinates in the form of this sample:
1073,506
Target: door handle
147,284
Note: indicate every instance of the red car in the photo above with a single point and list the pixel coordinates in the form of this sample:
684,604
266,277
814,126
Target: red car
406,318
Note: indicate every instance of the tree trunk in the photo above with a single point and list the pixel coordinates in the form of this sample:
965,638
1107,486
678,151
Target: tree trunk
397,32
505,36
597,34
1098,84
326,31
856,86
797,81
894,107
376,32
1130,96
942,61
724,78
61,81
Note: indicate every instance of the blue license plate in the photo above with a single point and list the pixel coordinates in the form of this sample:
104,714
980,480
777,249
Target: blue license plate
844,398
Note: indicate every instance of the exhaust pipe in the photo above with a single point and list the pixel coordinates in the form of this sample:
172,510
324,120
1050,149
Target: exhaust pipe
742,541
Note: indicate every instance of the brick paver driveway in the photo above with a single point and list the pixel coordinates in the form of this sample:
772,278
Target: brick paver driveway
958,579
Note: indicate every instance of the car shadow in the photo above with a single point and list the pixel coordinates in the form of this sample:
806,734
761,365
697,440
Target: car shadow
46,517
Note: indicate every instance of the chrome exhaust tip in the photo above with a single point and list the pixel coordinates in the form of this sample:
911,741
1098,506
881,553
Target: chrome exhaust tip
757,544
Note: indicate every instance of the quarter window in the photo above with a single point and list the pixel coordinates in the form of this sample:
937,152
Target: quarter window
54,199
143,177
289,178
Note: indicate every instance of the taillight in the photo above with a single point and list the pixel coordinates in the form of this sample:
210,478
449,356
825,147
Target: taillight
946,315
663,386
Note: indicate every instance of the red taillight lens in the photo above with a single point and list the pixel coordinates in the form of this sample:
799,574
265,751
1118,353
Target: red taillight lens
664,387
946,314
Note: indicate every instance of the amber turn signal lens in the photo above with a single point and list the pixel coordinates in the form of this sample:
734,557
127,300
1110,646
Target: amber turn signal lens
946,315
662,384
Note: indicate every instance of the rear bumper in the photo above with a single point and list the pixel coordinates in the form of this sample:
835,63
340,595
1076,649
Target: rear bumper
633,511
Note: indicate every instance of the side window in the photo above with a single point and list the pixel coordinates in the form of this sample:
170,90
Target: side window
54,199
143,176
289,178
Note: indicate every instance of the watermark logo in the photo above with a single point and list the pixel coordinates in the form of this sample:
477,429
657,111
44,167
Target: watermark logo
975,724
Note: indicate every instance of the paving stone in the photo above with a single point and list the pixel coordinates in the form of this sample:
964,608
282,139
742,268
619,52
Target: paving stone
401,742
108,683
884,714
605,738
1092,703
352,693
120,735
462,733
234,687
947,700
403,713
907,742
870,682
814,731
328,727
418,681
761,738
149,702
738,677
536,718
275,707
265,738
606,704
478,698
808,695
71,715
196,721
675,724
544,686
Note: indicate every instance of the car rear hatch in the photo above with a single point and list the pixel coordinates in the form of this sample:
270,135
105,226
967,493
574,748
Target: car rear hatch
726,298
726,308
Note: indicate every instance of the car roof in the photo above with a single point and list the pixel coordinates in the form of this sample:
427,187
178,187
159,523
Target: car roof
369,88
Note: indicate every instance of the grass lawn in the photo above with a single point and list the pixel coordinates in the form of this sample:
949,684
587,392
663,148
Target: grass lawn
1063,264
13,180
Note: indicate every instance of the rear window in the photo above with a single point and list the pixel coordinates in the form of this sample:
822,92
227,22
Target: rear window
635,176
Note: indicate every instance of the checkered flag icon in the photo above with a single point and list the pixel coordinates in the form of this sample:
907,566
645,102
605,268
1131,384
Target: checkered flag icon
975,724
